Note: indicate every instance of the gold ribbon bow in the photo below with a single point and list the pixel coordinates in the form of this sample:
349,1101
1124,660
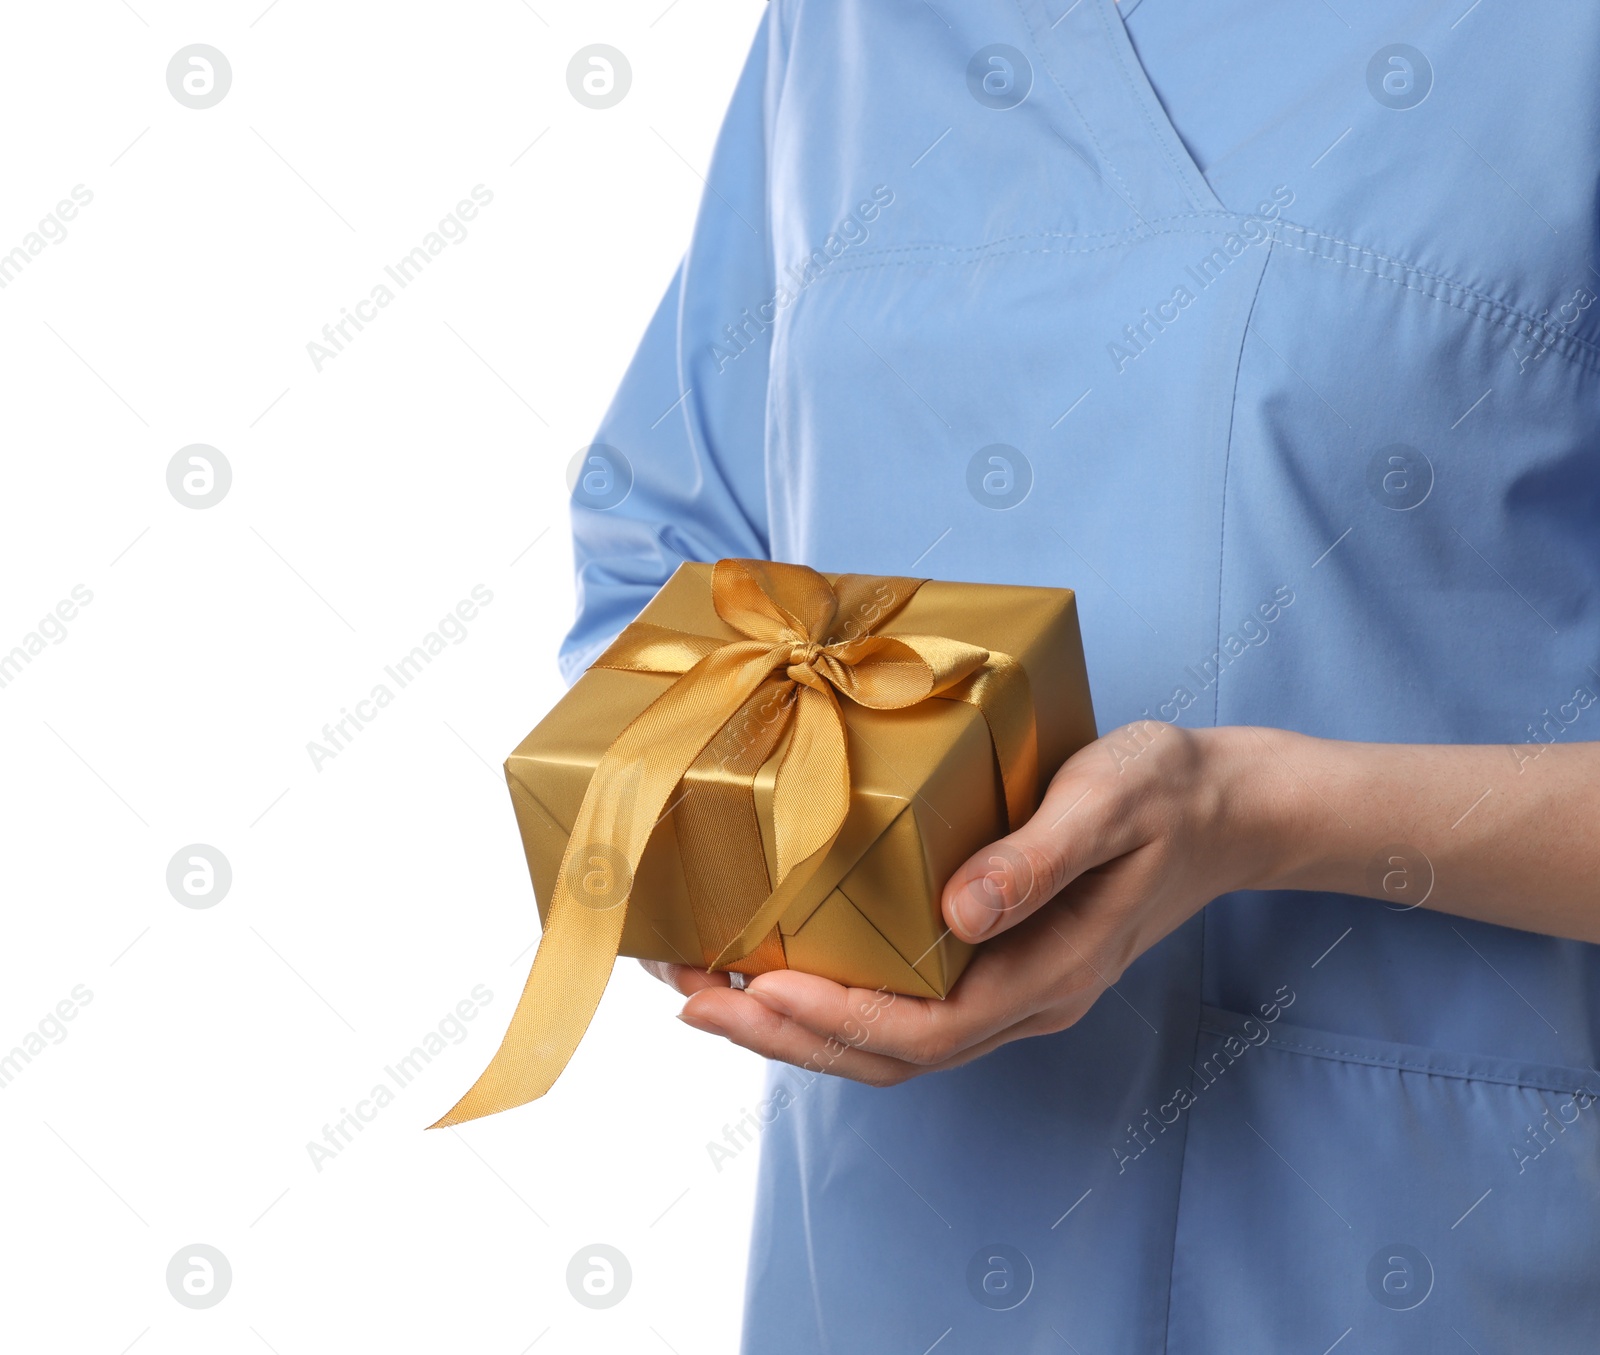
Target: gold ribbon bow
806,642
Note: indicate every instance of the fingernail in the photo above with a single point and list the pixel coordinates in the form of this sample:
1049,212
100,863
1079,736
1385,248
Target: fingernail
702,1023
977,907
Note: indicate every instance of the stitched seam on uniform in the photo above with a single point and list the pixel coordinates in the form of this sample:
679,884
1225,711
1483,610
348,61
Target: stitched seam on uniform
1173,163
1290,1045
1083,122
866,258
1227,461
1403,265
1127,233
1494,312
1571,346
878,259
1535,328
1194,1057
1183,1153
1581,352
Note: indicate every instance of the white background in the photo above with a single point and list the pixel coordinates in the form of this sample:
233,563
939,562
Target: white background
371,895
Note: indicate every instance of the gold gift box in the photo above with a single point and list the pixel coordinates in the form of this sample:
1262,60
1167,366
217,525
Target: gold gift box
925,789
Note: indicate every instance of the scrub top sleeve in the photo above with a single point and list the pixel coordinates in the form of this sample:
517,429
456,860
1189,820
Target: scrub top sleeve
689,419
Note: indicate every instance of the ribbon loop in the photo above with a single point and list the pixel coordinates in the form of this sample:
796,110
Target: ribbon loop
769,601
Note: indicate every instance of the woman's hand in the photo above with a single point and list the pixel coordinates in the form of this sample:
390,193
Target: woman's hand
1136,833
1142,828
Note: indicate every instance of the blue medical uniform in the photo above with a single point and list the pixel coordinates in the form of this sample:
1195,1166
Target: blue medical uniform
1268,328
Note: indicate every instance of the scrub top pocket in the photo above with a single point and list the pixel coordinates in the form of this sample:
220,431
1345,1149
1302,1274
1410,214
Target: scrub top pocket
1402,1198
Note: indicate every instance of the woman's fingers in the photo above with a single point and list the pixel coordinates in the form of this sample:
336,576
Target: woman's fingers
1081,823
1034,979
858,1051
751,1024
1025,972
685,978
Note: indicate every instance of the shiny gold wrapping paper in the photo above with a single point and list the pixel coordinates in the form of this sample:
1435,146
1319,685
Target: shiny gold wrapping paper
925,789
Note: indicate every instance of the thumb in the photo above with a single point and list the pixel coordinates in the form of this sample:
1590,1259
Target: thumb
1012,879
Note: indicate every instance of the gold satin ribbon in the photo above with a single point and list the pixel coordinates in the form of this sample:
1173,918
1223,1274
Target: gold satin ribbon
806,641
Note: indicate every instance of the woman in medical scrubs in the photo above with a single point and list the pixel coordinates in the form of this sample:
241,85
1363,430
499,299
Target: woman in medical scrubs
1274,325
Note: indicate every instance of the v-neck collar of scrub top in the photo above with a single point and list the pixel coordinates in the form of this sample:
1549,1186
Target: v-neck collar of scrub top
1117,109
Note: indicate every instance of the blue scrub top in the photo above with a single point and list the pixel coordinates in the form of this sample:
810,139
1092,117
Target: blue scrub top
1280,320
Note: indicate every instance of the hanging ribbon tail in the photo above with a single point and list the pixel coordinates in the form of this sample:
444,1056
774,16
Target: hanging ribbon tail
627,794
570,971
